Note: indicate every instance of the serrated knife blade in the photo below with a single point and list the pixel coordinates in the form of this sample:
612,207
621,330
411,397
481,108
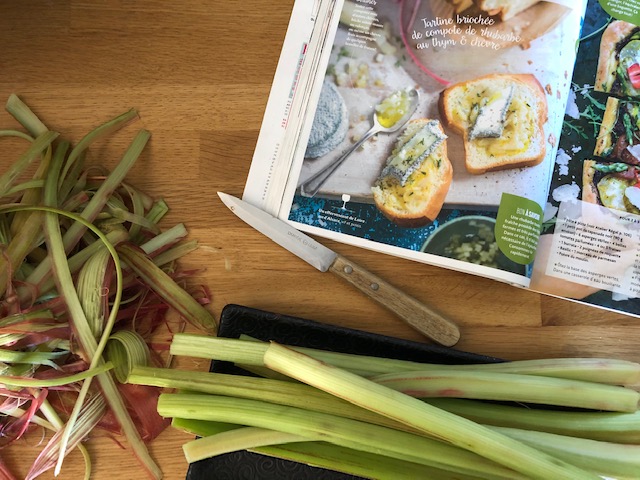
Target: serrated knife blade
418,315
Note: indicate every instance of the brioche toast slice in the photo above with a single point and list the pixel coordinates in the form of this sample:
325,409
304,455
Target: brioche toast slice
501,118
412,186
461,5
506,9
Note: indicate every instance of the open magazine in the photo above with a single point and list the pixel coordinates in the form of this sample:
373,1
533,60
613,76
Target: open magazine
499,138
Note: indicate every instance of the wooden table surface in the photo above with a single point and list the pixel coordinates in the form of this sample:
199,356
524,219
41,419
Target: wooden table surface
199,73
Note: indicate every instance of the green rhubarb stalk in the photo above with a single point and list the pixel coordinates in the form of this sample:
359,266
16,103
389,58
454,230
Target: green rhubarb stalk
76,262
166,287
92,290
137,216
263,372
67,180
74,182
157,211
424,417
54,419
33,196
29,226
235,440
280,392
605,426
25,116
17,412
21,245
64,280
127,349
40,144
329,456
93,208
66,288
121,214
74,202
89,417
59,260
250,352
176,252
167,237
16,133
340,431
605,458
91,349
10,338
26,185
18,318
167,247
18,325
217,348
512,387
10,381
362,464
33,358
432,383
600,370
201,428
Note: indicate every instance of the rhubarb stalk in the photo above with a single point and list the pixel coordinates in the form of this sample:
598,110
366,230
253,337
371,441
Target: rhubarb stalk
431,420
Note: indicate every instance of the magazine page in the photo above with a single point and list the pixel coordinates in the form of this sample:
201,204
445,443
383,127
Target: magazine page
590,247
437,122
295,90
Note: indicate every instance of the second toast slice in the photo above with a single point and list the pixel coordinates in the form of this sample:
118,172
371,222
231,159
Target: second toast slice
412,186
501,118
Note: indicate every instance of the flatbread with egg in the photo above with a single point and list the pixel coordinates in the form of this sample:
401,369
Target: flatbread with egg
619,136
619,60
613,180
614,185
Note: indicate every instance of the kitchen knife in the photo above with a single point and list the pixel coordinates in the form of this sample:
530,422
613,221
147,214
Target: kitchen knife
419,316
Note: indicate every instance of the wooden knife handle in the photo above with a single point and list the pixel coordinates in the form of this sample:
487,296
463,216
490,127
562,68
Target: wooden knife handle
421,317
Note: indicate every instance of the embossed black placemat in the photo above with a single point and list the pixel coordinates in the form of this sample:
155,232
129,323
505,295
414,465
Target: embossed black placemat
237,320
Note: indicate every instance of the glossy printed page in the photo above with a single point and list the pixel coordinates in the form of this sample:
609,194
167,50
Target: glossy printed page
590,247
459,177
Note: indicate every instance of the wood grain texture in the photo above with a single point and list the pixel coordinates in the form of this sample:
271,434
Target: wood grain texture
432,324
199,74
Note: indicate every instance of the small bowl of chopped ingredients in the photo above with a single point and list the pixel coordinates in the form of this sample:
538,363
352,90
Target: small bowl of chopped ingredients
470,239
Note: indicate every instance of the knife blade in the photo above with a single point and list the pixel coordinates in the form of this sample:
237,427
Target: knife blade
418,315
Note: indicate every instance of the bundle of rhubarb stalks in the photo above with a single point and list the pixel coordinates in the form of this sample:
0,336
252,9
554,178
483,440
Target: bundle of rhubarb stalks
383,418
87,276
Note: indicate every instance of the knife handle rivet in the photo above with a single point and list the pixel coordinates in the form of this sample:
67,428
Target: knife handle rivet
375,286
348,269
